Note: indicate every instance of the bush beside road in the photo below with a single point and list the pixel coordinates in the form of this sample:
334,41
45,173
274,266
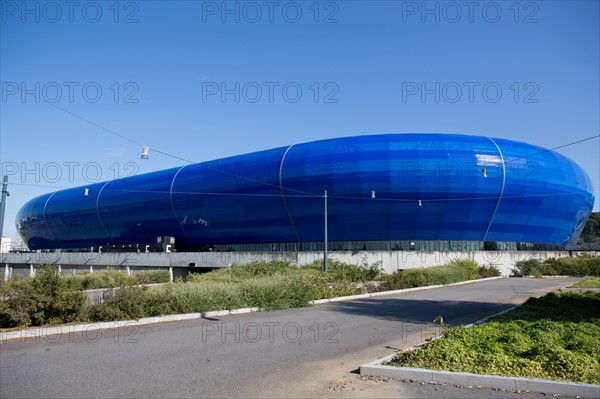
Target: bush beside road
575,267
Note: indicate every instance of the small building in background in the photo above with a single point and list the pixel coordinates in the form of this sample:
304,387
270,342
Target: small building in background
5,244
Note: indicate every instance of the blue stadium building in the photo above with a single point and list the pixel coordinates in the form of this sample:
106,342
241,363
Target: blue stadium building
391,191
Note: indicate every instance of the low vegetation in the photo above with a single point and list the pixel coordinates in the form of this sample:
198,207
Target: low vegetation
45,299
455,271
112,279
52,299
593,282
578,267
553,337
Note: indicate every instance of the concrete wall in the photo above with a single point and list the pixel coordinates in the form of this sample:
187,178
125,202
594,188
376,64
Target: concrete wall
181,261
392,261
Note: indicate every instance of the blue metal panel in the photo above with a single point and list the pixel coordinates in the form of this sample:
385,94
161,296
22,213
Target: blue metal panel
547,197
440,170
73,217
233,200
137,209
529,195
32,226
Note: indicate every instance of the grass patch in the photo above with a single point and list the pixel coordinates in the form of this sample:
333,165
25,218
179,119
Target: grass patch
593,282
553,337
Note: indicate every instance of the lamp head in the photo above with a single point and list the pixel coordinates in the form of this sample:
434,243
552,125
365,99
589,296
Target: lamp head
145,151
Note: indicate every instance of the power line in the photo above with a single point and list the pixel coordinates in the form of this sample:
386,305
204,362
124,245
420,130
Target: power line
90,122
305,194
313,195
555,148
162,152
365,198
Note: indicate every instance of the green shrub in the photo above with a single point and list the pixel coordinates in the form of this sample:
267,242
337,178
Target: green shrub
529,267
163,301
455,271
199,297
348,272
488,271
15,304
122,304
44,299
567,266
579,266
299,292
469,268
110,278
272,294
240,272
264,293
323,286
152,277
260,268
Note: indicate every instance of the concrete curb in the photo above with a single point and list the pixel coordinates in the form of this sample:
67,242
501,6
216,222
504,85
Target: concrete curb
36,333
483,380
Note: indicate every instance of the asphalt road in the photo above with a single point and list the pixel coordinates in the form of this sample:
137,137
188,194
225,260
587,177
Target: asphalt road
308,352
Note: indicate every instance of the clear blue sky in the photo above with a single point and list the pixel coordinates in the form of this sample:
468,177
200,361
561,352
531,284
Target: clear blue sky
160,67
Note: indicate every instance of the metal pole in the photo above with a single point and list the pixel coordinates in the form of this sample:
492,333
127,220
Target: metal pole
325,246
3,206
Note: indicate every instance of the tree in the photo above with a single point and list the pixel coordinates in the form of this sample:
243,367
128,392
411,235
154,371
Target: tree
591,231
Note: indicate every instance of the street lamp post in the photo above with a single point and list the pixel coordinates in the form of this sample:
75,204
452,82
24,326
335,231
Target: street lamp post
325,241
3,205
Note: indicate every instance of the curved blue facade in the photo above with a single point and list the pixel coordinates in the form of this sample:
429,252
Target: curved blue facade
426,187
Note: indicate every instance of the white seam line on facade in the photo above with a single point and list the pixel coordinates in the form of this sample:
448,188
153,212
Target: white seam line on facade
173,205
501,191
98,212
46,219
287,209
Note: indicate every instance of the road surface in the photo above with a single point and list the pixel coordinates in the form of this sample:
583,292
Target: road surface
307,352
